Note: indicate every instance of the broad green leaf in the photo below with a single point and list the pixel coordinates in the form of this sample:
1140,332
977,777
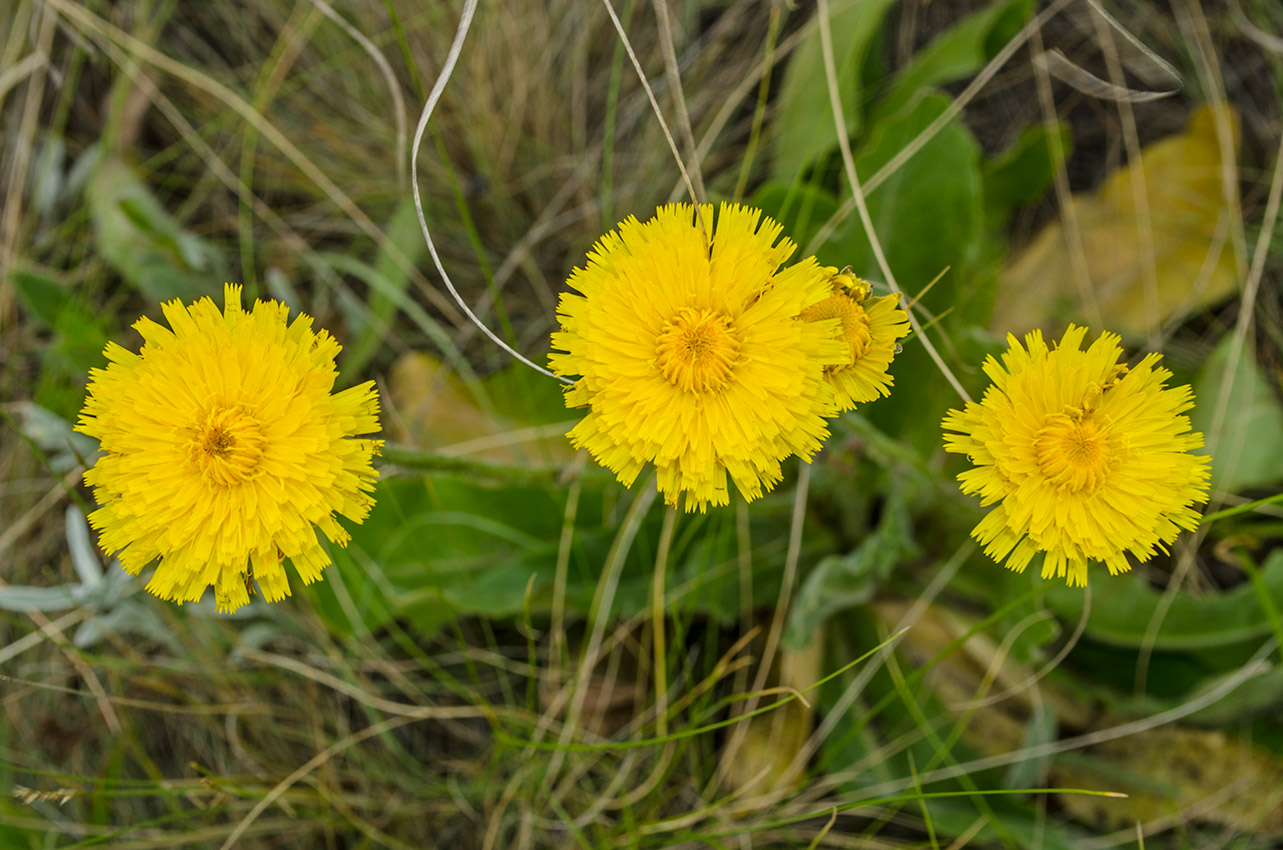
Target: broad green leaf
81,338
927,215
80,333
438,544
841,582
957,52
353,596
804,127
1248,451
1021,173
1122,608
1259,695
143,243
1040,731
1006,823
43,296
499,591
801,209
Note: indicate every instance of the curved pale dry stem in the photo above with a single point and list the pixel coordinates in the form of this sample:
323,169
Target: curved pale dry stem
1046,668
447,69
385,68
141,50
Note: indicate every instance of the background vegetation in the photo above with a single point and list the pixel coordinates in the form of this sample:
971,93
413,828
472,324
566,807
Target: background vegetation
492,662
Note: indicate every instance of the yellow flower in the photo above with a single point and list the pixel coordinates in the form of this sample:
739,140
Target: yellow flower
1086,459
870,328
223,449
692,355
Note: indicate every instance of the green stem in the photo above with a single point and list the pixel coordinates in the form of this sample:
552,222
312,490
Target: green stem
1242,509
408,457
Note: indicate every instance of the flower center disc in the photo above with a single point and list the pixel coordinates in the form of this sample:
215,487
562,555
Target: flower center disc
697,350
1075,452
227,446
855,322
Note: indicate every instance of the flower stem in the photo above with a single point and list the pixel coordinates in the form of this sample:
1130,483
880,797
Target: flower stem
1242,509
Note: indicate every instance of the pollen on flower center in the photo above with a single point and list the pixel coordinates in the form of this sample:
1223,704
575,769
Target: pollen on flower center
697,350
1075,452
227,445
855,322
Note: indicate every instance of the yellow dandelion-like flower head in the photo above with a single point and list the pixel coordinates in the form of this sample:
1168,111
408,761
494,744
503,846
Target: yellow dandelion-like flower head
224,450
1085,458
687,339
870,328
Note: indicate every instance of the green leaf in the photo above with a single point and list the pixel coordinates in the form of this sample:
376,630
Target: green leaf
353,597
1122,615
927,214
390,292
928,217
22,598
841,582
437,545
1249,449
143,243
79,335
40,294
958,52
1007,823
804,123
1021,174
800,208
1261,694
499,591
1041,730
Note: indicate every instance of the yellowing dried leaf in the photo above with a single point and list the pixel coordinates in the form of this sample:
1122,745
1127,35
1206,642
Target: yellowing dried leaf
1189,225
980,669
1183,774
1167,772
429,406
762,760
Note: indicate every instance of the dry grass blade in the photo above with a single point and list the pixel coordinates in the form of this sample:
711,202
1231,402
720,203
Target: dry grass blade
1058,65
